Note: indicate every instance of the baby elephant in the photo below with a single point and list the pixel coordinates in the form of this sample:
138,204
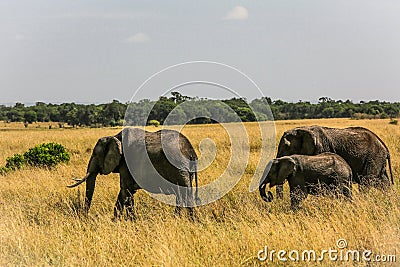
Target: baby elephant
322,173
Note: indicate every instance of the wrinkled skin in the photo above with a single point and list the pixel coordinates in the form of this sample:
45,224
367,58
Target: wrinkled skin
326,173
108,156
363,150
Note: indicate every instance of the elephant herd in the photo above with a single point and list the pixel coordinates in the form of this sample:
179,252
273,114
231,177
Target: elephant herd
312,159
317,155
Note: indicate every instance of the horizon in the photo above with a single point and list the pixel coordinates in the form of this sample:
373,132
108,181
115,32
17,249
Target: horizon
29,104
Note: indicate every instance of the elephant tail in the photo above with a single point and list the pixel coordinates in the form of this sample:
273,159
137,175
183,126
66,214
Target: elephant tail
388,153
196,194
193,171
390,168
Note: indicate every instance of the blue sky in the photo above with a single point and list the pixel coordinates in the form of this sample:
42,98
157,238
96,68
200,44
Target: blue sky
96,51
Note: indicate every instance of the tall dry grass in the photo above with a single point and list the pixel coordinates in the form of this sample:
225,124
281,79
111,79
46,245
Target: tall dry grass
41,223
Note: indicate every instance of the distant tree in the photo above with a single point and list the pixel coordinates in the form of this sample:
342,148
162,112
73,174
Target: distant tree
42,112
113,113
162,108
178,98
195,110
55,114
328,112
3,111
137,113
72,116
325,99
30,116
262,106
15,115
19,105
242,108
392,111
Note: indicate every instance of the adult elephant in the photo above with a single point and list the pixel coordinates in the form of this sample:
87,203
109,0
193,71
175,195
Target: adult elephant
159,162
362,149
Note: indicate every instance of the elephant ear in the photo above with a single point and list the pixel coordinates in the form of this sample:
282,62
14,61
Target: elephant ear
321,140
309,145
286,167
283,145
113,154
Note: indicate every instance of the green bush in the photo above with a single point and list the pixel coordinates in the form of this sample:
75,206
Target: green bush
155,123
4,170
46,155
15,162
12,163
43,155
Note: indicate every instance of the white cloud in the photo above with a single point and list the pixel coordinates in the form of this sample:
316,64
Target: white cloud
139,37
237,13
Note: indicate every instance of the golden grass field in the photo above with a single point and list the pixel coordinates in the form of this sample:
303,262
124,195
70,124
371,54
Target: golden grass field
41,223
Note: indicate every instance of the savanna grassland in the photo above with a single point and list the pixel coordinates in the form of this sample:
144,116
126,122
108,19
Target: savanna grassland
41,222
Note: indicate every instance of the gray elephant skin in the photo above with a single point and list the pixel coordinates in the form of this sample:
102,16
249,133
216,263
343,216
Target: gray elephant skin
150,155
319,174
362,149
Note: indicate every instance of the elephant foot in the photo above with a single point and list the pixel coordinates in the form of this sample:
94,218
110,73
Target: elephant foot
193,216
178,211
130,216
197,201
115,219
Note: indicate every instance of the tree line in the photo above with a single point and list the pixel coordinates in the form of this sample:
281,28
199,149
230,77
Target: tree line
183,109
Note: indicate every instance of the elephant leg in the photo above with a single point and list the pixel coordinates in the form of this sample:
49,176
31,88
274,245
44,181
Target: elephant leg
188,200
364,185
384,181
178,210
279,191
125,199
347,191
178,202
184,198
376,176
119,205
296,196
129,203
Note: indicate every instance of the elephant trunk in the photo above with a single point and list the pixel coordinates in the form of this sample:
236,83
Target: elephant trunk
261,188
90,185
90,179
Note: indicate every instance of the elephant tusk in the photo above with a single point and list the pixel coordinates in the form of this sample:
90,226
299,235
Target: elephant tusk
78,181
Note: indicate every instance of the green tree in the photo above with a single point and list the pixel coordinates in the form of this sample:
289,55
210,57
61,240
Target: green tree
15,115
113,113
30,116
162,108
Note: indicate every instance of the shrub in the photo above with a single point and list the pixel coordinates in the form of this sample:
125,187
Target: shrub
12,163
43,155
15,162
46,155
155,123
394,122
4,170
